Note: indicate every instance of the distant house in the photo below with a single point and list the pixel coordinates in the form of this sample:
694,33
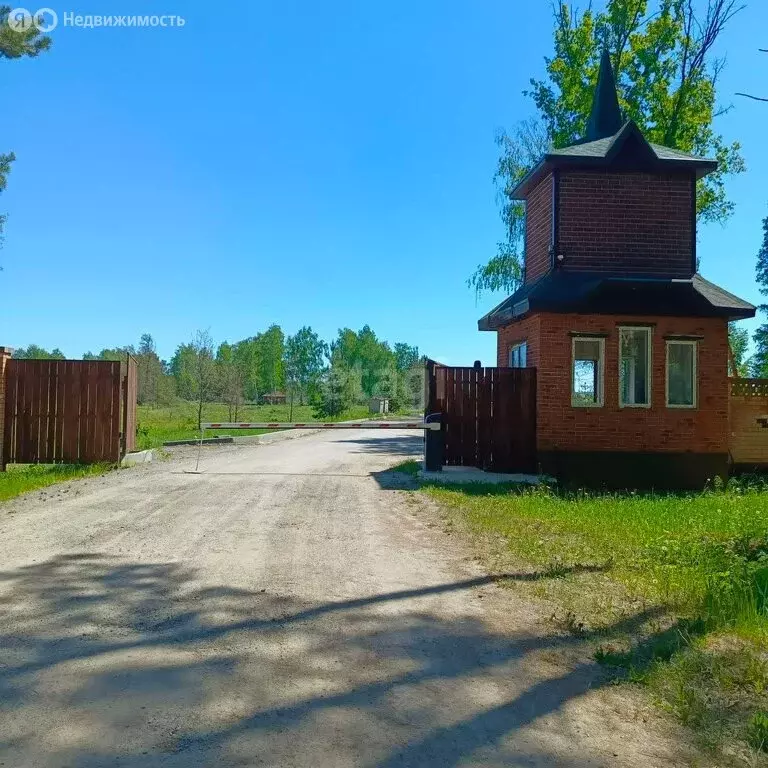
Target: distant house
273,398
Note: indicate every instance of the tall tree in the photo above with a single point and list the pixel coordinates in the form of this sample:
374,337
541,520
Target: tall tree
16,44
363,352
151,370
303,365
667,73
270,354
738,341
230,376
759,364
194,368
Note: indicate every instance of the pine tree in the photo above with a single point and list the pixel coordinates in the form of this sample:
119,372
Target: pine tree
759,364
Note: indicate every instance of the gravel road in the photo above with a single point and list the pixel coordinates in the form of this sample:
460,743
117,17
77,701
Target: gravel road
287,607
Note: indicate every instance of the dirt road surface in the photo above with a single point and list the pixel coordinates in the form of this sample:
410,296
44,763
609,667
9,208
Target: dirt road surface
288,607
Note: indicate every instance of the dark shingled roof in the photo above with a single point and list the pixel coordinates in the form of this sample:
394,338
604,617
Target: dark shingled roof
627,148
605,118
599,293
610,140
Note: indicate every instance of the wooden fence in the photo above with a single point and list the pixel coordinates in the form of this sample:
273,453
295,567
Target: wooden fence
488,416
748,414
69,411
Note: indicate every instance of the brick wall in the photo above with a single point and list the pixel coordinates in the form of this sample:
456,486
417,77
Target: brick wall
610,428
538,230
526,330
5,355
626,222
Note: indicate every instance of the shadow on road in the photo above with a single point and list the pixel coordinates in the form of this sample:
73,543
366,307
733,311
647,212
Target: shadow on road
395,445
107,663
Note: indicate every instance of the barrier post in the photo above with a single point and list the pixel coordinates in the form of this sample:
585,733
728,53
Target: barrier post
434,444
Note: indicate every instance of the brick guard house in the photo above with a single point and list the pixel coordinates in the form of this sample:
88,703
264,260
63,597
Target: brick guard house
629,342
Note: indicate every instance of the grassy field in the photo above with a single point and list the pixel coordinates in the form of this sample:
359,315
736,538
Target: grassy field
20,479
672,590
179,421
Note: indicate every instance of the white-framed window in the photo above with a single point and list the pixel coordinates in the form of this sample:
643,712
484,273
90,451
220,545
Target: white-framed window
635,367
682,366
518,355
588,364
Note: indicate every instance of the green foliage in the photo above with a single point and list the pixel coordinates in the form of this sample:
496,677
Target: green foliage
157,425
674,588
702,555
22,479
759,362
364,353
304,362
762,261
409,467
15,45
33,352
118,354
246,370
738,338
758,731
260,362
271,351
662,54
194,368
340,391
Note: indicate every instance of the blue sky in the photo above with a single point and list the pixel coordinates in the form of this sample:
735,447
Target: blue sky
292,162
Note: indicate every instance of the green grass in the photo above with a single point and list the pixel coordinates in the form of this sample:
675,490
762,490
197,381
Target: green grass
673,588
20,479
179,421
410,467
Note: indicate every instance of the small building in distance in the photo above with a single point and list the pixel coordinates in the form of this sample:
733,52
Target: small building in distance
273,398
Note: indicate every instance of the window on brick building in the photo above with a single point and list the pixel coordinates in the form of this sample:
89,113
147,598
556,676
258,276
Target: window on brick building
518,355
587,371
681,374
634,367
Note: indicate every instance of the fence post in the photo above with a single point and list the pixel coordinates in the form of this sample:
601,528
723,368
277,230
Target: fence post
5,356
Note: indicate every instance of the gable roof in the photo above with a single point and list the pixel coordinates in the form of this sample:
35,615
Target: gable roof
598,293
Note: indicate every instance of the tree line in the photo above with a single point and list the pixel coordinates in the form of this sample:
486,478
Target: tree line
302,368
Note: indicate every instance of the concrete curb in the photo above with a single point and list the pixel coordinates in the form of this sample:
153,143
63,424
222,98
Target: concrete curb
468,475
138,457
207,441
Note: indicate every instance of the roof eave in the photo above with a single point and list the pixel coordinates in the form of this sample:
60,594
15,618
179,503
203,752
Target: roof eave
526,184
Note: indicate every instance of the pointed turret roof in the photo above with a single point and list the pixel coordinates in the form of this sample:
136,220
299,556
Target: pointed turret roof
609,141
605,119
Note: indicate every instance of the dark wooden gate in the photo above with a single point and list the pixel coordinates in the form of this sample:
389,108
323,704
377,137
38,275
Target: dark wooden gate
70,411
488,416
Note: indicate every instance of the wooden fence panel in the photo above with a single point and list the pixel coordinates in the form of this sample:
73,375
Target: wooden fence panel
748,416
65,411
488,416
130,395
